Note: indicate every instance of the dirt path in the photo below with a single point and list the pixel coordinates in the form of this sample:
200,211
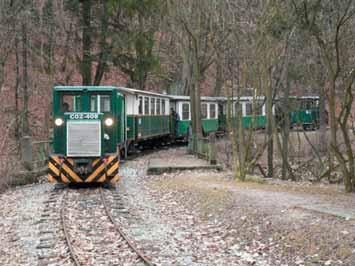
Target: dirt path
248,223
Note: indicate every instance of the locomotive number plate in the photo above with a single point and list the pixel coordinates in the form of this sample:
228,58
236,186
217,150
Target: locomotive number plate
76,116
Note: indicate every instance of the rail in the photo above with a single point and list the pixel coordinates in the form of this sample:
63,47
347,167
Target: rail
125,237
72,253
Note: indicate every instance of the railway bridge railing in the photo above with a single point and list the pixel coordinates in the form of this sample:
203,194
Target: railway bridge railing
34,153
33,158
204,147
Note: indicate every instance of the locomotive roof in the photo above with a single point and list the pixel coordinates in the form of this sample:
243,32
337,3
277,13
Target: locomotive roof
135,91
88,88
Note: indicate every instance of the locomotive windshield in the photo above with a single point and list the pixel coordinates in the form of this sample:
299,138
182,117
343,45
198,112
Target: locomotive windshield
100,103
83,102
70,103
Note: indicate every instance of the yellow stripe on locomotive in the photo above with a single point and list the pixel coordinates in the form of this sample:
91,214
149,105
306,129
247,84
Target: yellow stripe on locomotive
98,170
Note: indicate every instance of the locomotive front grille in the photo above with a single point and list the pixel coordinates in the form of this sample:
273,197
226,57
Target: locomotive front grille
84,138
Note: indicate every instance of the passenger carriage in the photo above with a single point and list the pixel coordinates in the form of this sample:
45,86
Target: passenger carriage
303,112
252,108
308,112
147,116
254,114
182,107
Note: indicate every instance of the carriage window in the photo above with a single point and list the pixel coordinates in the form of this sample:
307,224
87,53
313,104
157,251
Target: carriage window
152,106
185,111
70,103
163,107
105,103
146,105
158,106
204,110
140,105
248,108
258,108
212,110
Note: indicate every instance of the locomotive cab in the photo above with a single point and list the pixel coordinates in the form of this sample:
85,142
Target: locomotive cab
88,126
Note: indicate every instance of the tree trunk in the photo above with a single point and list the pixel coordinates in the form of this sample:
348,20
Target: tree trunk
17,85
186,75
197,95
50,24
2,69
219,76
26,129
103,57
332,120
285,130
87,60
322,121
241,152
269,130
140,55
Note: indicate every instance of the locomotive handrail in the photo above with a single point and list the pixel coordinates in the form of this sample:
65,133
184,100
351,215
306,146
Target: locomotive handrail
42,141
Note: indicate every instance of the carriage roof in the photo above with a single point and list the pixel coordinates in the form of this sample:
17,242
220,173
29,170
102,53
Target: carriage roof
249,98
309,97
86,88
141,92
203,98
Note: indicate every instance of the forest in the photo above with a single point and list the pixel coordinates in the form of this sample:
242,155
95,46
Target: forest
271,48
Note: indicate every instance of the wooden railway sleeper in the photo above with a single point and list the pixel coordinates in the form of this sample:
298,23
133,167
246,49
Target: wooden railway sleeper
124,236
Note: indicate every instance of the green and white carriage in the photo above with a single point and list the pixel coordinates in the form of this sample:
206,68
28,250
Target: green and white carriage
253,112
210,109
147,115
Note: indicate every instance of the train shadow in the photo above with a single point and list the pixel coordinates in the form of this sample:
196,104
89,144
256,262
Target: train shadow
79,186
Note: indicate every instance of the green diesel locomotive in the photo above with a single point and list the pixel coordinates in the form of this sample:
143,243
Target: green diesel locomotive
88,133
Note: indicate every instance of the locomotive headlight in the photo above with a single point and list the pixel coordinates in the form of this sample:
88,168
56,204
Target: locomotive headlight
58,122
108,122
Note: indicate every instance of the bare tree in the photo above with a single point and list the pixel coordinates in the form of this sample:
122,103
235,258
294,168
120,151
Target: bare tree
196,26
328,22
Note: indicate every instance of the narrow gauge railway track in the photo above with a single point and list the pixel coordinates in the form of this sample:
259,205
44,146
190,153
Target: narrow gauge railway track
124,236
74,254
52,248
